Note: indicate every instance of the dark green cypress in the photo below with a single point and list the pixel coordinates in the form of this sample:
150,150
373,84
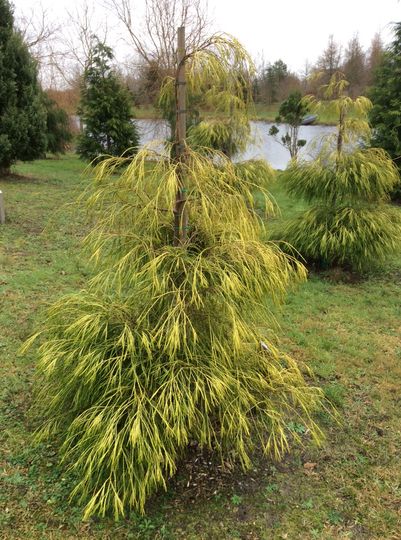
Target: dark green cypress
58,127
22,114
105,110
385,117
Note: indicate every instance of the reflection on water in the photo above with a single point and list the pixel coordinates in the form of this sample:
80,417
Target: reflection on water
263,145
266,147
151,130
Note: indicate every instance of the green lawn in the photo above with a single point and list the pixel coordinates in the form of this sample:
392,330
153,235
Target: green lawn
348,330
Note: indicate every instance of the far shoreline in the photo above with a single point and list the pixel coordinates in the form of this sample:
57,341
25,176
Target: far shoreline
262,114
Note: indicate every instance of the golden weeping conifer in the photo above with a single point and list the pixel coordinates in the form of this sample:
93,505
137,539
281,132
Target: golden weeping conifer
350,222
172,341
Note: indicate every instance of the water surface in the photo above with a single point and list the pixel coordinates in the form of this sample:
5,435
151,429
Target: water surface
263,146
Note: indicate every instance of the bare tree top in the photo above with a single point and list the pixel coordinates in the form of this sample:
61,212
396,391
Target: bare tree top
154,39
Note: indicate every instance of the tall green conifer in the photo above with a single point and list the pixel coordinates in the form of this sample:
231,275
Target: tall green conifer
59,133
105,110
22,114
385,116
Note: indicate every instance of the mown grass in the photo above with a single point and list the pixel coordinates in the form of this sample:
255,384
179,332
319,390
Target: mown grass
348,329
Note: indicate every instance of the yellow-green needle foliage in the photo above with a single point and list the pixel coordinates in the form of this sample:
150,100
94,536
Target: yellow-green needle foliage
230,135
350,236
350,222
219,78
171,344
220,71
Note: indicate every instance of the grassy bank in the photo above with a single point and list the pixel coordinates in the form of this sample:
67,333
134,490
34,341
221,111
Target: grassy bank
348,330
269,113
260,111
147,113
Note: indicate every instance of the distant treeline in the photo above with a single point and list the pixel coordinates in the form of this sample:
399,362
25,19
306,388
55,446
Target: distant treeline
273,82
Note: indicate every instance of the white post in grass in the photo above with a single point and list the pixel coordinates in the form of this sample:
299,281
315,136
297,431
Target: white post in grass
2,211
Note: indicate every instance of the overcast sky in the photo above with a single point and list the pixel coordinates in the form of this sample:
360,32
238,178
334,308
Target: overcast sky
292,30
298,30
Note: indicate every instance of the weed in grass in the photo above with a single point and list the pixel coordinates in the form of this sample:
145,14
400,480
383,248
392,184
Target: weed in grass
295,427
235,534
236,500
270,489
308,504
334,517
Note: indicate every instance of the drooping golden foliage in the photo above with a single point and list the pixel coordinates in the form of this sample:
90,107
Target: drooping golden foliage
351,223
346,235
220,70
165,346
230,134
362,175
351,114
219,77
172,343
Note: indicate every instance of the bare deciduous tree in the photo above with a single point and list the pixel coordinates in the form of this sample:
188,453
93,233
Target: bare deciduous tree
155,39
355,67
78,38
61,48
330,60
37,30
375,57
42,36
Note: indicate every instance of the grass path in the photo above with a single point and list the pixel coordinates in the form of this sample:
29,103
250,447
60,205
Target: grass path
349,332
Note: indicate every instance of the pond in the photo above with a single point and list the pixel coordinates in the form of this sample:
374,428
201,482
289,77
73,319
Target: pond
264,146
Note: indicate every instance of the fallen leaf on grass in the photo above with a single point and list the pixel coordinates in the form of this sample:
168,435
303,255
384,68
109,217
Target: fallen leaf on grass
309,468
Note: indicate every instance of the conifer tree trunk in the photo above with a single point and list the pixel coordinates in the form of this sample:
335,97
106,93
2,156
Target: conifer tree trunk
341,127
340,142
180,210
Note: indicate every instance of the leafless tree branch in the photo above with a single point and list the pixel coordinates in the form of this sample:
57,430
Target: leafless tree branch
155,41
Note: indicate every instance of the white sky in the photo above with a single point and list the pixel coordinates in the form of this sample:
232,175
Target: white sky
298,30
293,30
